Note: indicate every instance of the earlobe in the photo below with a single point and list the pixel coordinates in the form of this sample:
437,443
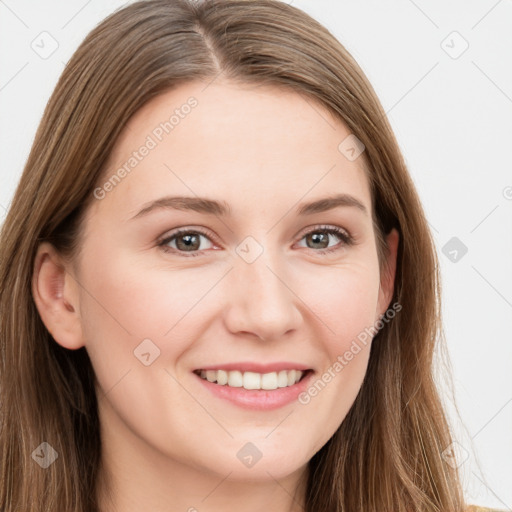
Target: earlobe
56,297
387,279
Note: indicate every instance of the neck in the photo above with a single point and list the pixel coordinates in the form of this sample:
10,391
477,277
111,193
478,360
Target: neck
135,476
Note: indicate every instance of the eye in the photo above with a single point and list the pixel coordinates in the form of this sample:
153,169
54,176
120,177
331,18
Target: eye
185,240
188,241
320,236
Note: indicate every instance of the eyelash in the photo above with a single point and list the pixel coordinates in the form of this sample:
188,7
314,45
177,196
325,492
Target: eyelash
343,235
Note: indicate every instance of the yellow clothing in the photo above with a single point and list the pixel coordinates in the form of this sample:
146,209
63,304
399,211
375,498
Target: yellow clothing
475,508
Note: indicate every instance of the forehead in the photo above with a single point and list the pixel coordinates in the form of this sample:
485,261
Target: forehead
240,143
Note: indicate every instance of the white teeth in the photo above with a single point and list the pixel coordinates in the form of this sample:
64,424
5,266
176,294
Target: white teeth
269,381
282,379
222,377
235,379
253,380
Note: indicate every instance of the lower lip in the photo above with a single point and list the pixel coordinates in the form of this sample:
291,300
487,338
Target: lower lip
258,399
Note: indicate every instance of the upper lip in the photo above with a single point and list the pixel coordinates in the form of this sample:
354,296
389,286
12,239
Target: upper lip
251,366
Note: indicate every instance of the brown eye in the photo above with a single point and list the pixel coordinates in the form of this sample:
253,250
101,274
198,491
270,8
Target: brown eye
188,242
319,239
183,241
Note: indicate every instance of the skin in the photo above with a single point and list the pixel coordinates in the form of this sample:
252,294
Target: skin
168,443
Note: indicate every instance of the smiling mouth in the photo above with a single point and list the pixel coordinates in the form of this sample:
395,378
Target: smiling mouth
253,380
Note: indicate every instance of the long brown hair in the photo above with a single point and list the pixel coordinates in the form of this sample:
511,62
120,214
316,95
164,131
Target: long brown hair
387,453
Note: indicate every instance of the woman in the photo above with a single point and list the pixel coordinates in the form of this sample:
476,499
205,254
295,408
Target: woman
172,336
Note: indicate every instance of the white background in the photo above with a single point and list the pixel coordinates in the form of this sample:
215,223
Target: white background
452,118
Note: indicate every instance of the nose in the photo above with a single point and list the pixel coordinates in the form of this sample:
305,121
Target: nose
260,299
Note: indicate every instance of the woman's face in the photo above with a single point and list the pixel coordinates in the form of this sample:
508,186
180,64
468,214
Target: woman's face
258,281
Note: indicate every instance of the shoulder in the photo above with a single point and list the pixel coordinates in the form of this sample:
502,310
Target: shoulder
475,508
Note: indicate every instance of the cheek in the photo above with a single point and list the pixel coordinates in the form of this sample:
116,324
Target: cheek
126,302
345,309
344,300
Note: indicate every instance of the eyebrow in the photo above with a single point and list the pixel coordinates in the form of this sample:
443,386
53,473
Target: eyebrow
222,208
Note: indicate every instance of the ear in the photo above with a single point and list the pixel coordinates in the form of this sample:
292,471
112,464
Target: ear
55,293
387,278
